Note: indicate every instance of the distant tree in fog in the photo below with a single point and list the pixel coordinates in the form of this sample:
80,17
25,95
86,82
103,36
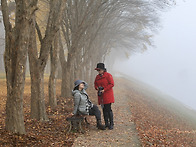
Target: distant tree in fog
138,27
93,29
81,25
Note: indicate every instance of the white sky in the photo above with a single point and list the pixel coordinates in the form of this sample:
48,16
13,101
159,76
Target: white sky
170,66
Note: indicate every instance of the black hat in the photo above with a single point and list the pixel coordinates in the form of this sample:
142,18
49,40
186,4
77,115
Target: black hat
100,66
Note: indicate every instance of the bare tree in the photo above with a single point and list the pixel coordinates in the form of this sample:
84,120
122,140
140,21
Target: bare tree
52,79
92,29
16,45
38,63
79,17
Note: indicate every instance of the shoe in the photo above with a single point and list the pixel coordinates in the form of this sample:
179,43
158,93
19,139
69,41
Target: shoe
100,126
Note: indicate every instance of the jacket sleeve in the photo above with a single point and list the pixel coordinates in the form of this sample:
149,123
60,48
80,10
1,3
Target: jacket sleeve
76,103
110,83
95,84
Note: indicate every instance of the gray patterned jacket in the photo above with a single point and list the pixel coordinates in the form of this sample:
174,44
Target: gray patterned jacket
81,102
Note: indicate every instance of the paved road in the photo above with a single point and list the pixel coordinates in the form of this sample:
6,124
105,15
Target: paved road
124,132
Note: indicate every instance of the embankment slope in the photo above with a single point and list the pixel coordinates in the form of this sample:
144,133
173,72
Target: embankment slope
160,120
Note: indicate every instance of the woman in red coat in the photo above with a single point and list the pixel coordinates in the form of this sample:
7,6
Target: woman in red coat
103,84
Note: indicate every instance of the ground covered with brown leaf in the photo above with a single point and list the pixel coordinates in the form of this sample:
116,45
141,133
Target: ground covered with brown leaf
49,133
160,121
157,123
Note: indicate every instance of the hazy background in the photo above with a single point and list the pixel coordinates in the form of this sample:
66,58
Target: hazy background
170,67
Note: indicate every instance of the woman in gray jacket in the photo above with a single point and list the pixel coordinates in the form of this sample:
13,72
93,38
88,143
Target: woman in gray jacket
82,104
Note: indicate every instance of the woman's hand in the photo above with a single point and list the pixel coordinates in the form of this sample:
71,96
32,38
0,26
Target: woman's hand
102,91
70,115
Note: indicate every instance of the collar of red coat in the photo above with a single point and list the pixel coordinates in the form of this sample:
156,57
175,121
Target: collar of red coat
104,75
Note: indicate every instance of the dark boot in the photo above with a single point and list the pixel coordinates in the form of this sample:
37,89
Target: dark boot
99,125
111,126
106,117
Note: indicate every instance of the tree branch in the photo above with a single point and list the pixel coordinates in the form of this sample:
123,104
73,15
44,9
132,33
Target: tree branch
38,32
5,13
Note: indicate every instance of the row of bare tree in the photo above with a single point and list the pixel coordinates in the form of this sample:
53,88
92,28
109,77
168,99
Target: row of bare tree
76,33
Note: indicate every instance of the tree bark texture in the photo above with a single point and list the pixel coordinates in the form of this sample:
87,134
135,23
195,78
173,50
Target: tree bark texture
15,56
37,80
38,63
66,71
66,79
53,69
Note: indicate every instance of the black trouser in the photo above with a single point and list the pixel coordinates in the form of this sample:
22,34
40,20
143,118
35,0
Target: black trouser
95,111
108,116
107,108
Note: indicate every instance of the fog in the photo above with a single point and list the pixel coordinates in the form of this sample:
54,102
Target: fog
170,66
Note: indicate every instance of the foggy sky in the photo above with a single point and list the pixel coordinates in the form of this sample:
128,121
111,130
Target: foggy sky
170,67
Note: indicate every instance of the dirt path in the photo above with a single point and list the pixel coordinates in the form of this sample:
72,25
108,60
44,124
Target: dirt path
124,132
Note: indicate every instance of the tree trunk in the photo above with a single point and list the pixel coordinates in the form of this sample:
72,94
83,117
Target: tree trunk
53,69
59,70
66,71
37,80
38,64
15,77
16,46
66,81
38,110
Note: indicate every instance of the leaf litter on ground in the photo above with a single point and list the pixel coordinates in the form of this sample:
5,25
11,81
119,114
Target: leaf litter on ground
156,125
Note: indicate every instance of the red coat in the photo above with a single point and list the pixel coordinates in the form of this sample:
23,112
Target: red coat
107,82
